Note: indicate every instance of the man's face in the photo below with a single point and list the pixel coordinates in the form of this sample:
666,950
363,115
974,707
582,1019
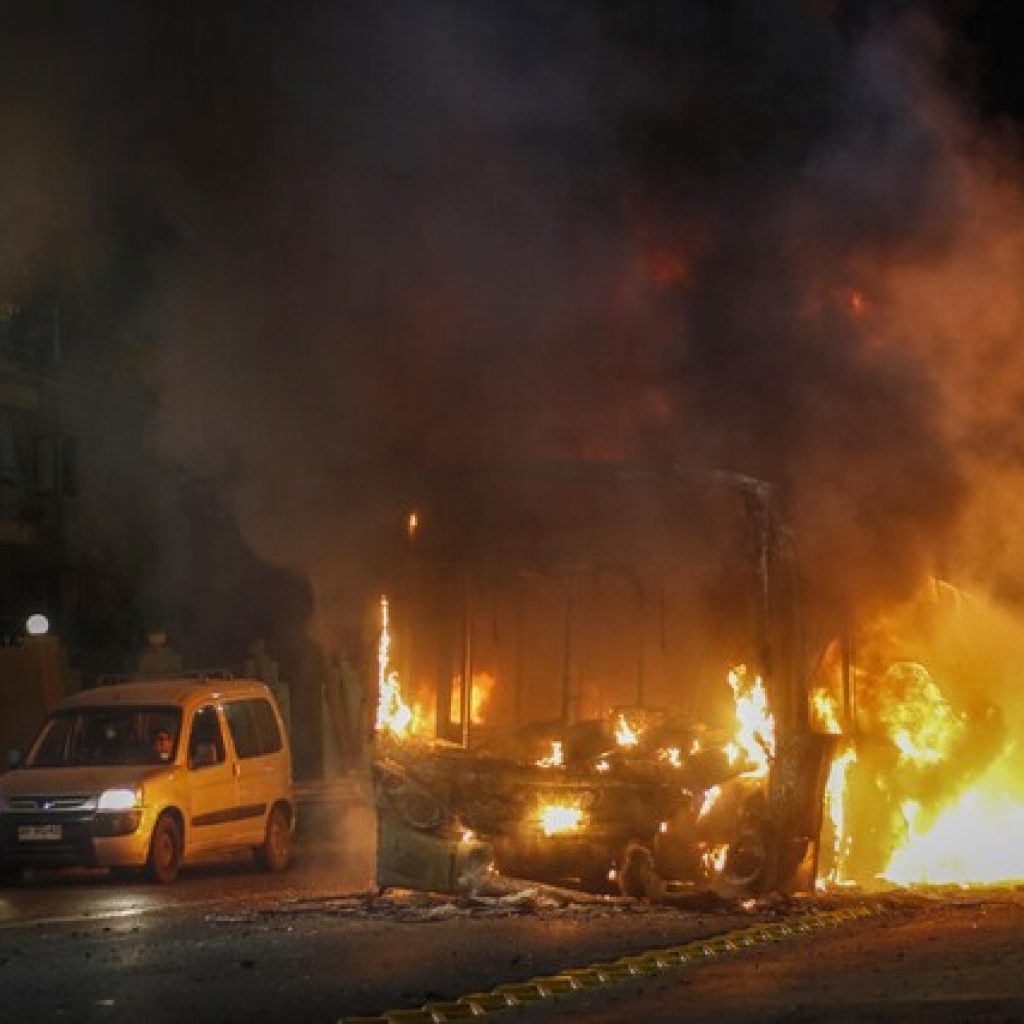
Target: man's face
162,744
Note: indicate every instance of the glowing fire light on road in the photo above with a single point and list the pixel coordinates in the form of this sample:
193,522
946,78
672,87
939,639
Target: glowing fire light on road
560,819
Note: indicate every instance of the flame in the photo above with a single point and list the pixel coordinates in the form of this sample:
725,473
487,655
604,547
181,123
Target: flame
626,735
412,524
975,840
836,811
556,759
483,687
825,712
715,857
671,756
710,799
919,720
560,819
394,716
755,724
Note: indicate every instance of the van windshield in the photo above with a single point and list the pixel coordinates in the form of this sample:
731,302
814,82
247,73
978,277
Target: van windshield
85,737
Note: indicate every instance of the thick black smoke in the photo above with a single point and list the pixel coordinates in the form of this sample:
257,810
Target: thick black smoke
371,236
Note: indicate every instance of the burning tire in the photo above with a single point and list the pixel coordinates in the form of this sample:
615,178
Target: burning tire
746,861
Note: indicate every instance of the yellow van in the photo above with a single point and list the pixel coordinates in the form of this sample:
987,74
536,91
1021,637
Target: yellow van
144,776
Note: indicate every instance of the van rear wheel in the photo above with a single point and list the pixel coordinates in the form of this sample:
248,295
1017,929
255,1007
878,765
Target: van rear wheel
275,853
164,859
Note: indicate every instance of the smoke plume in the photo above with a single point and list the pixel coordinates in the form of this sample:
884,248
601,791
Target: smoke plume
366,237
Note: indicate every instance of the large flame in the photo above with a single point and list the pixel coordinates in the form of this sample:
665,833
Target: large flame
974,840
921,723
755,724
394,716
836,794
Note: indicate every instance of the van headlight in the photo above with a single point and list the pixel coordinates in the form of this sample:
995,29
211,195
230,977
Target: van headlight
120,799
121,812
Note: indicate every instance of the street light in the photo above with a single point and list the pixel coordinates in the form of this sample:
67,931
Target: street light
37,625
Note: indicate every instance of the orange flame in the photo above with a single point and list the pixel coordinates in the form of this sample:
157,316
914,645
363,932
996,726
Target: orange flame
394,716
836,811
755,724
556,759
825,712
626,735
919,720
671,756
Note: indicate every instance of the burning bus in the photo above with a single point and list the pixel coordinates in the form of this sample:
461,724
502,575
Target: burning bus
599,674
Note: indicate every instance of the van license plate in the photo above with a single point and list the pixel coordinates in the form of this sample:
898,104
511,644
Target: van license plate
37,833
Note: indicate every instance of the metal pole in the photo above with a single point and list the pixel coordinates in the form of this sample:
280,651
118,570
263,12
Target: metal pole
466,690
567,653
640,646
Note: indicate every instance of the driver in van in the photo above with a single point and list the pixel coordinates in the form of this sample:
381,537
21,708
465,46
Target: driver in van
162,744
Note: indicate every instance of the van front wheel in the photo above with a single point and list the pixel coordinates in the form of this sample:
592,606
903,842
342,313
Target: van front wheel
275,853
164,850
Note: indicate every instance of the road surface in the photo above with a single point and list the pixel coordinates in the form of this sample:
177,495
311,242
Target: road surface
230,944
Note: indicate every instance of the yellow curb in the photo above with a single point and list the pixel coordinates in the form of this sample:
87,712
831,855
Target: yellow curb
585,977
522,993
609,972
639,964
486,1002
601,975
554,985
442,1012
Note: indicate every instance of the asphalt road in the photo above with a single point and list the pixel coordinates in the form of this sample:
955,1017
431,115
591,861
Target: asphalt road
232,944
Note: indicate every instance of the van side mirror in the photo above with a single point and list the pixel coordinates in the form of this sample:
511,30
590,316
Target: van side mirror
14,758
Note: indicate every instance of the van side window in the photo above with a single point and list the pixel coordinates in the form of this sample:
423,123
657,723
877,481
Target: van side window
253,726
205,744
266,726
